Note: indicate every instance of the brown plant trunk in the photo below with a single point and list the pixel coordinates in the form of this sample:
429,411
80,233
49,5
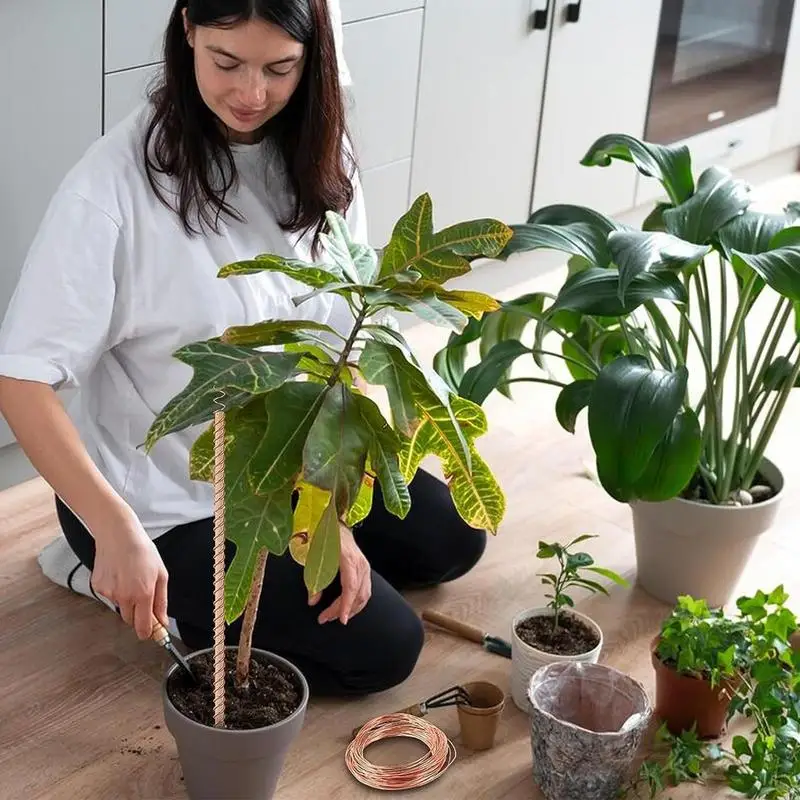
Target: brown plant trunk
249,622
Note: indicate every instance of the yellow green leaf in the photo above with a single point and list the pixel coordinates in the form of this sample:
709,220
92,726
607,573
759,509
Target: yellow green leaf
314,275
311,504
443,255
475,491
322,563
363,504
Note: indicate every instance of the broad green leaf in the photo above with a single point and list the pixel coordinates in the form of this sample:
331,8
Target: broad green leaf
636,252
386,365
611,575
781,238
274,332
309,274
311,503
425,304
596,292
481,380
674,460
719,198
443,255
778,373
669,164
336,448
225,377
778,596
322,562
578,560
383,455
655,219
584,369
475,491
751,232
360,509
631,409
566,214
779,268
572,399
450,362
577,239
384,334
508,324
201,457
252,522
475,304
290,413
358,262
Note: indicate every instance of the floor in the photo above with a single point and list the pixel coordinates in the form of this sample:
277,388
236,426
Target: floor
81,708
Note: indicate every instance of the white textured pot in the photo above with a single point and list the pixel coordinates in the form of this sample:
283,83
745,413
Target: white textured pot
525,660
684,547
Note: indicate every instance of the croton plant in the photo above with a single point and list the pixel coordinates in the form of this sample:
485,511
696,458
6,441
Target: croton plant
303,444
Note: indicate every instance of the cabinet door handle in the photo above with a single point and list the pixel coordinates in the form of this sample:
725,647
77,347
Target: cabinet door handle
539,16
574,11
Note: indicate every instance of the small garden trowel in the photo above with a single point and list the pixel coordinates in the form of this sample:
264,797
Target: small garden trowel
491,644
161,636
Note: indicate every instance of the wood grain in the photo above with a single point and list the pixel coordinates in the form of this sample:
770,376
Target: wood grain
81,707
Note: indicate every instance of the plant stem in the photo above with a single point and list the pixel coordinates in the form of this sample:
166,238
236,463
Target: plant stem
589,367
704,295
663,329
532,380
242,680
769,426
729,464
783,308
723,302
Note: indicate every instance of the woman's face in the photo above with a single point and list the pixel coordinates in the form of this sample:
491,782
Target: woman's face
246,74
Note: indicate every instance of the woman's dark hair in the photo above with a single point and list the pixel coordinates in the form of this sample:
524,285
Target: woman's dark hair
185,141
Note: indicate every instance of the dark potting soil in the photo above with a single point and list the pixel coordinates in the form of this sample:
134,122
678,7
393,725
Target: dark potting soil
273,694
573,637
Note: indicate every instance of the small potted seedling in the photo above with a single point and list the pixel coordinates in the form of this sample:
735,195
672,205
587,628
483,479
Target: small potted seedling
751,652
557,632
290,423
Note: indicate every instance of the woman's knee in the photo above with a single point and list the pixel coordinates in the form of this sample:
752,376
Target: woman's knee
391,655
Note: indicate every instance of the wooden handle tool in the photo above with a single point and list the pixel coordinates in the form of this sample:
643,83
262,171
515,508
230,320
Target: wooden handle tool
462,629
491,644
160,635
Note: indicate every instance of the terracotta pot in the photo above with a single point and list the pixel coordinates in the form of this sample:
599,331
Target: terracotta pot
684,547
683,701
525,660
479,720
234,764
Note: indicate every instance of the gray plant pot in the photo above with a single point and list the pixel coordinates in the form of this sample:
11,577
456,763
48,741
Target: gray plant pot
221,764
587,723
684,547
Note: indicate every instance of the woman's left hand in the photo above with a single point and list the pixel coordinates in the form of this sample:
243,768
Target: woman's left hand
355,574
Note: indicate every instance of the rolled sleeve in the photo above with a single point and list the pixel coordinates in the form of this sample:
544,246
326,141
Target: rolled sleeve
57,322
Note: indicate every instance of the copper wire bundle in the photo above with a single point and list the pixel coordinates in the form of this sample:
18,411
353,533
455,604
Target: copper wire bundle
427,768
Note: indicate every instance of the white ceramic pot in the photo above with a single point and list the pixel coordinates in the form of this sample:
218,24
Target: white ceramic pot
685,547
525,660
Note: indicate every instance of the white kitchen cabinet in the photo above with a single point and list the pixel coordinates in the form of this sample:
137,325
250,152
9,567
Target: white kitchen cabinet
382,55
386,198
598,81
125,90
134,32
786,132
480,95
353,10
51,97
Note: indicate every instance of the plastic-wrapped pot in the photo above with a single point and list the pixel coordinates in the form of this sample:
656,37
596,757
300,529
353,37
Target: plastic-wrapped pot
587,723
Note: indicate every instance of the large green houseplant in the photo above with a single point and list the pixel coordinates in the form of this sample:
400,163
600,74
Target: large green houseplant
304,444
707,287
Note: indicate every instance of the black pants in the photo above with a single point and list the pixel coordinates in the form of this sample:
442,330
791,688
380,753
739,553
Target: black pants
379,647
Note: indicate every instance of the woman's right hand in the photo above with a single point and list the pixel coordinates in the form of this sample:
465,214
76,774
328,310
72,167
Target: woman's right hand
129,571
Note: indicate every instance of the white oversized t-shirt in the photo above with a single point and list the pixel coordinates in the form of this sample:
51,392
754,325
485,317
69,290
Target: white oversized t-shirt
113,285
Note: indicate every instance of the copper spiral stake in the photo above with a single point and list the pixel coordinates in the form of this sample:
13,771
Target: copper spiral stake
219,569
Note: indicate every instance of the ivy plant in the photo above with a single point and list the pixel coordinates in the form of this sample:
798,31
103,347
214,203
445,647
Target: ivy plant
572,574
303,444
753,648
637,312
